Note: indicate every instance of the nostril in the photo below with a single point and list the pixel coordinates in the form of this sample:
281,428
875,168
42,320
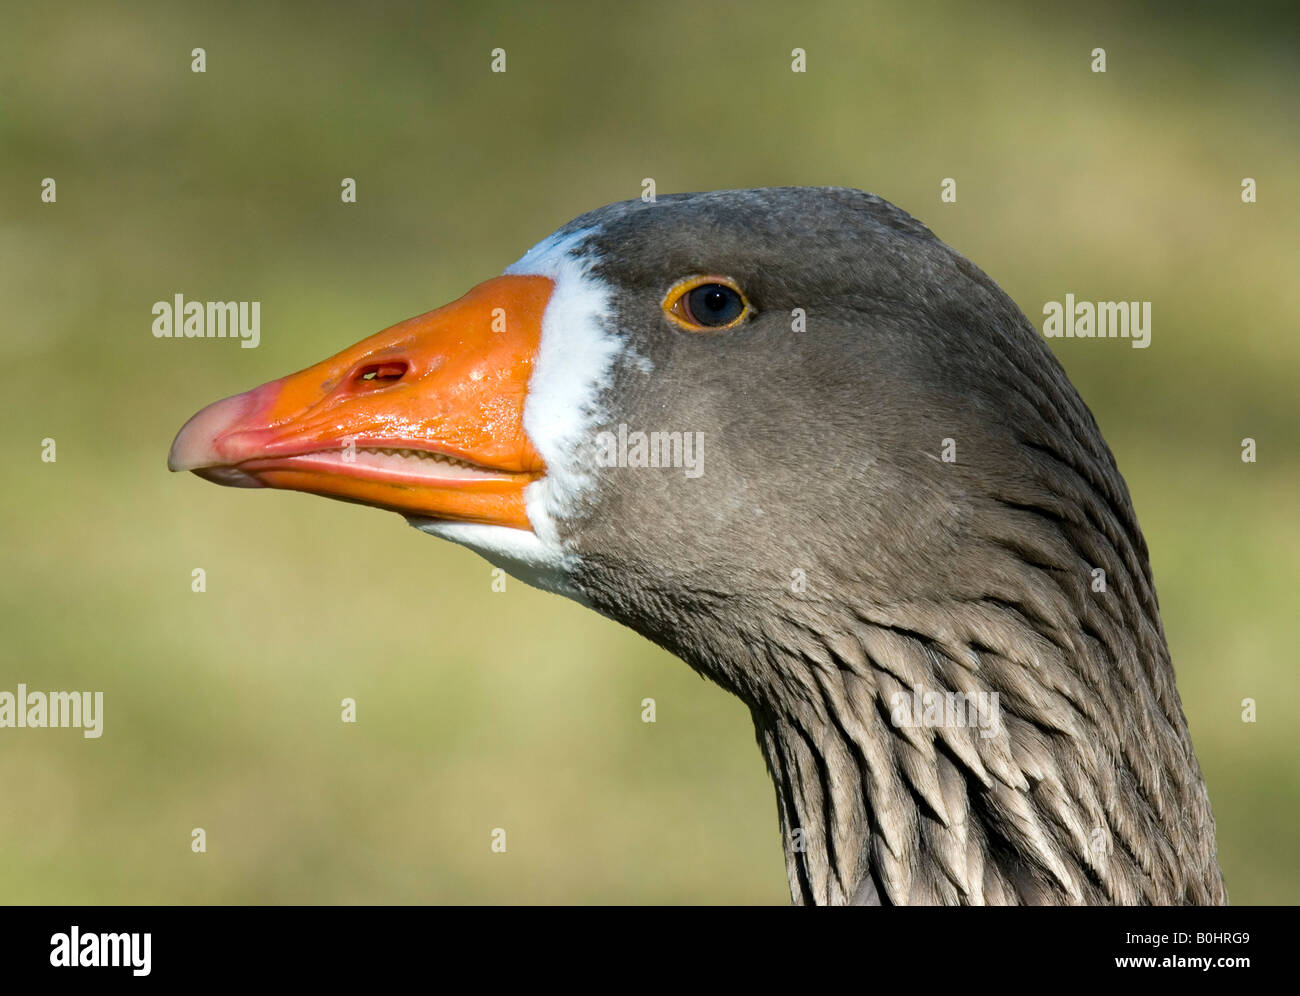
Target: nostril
380,374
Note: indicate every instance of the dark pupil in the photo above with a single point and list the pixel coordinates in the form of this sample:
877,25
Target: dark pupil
714,304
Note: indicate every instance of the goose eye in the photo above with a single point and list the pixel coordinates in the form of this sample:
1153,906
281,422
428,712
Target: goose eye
700,304
714,305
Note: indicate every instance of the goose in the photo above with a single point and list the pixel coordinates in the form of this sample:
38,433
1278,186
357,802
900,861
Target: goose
794,438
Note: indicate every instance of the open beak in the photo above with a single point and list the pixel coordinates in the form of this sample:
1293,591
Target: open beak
425,418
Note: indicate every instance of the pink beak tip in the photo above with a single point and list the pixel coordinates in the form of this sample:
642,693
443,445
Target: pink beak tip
198,445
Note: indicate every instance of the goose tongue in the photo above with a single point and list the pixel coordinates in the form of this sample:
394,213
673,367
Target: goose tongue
424,418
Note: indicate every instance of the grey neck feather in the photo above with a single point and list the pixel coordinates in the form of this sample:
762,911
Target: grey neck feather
1054,801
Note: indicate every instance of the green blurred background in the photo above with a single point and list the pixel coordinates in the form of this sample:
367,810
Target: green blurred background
518,709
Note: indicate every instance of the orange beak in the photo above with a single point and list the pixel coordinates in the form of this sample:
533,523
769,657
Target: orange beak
425,418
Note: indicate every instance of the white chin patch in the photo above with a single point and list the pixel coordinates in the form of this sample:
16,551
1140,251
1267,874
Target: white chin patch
575,363
520,553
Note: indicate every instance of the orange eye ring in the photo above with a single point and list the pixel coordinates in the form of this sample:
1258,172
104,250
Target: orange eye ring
720,298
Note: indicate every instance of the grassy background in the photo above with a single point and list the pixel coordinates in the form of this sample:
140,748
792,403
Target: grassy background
521,710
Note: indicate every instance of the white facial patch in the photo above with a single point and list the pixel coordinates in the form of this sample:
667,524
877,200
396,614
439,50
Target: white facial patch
575,363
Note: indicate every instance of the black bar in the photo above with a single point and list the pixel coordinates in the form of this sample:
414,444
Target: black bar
436,944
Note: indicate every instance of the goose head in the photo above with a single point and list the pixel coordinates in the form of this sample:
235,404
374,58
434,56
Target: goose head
794,438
